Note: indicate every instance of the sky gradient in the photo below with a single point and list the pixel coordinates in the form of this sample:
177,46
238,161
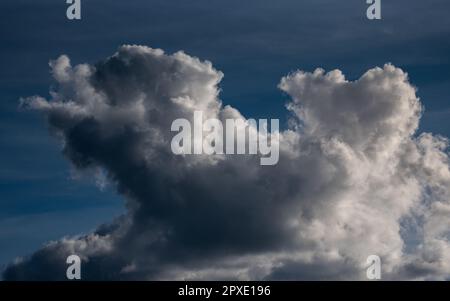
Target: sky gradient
254,43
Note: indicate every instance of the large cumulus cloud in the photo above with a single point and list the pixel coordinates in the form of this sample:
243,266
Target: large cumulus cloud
353,179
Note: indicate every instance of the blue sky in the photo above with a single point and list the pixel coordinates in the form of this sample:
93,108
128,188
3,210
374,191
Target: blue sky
254,42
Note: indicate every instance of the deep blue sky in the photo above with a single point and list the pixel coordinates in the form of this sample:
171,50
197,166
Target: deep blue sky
254,42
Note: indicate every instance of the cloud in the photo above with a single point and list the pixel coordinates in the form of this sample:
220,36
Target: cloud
353,179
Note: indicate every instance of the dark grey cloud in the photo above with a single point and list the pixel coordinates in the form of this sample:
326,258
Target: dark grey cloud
351,171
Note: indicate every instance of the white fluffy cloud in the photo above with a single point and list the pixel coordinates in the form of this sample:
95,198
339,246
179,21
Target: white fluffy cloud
353,179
